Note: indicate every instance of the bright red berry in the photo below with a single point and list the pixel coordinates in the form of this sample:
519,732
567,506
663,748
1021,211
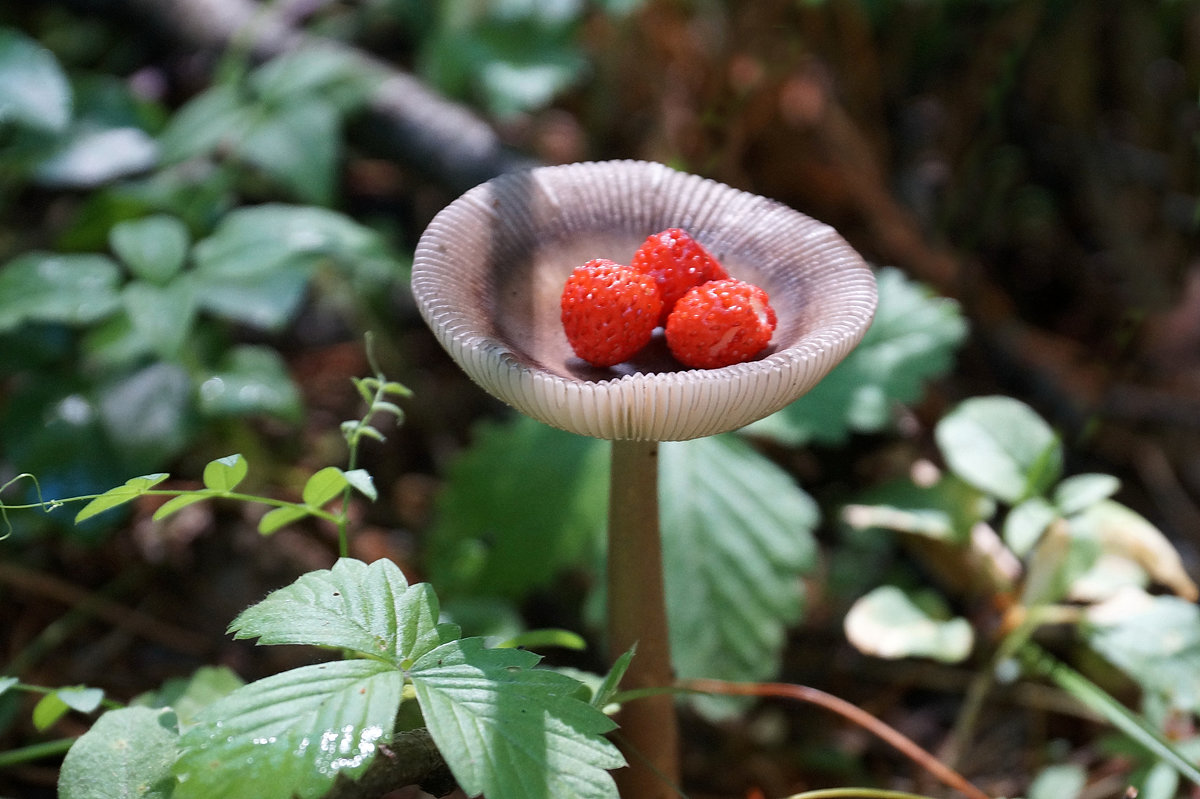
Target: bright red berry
720,323
609,311
678,263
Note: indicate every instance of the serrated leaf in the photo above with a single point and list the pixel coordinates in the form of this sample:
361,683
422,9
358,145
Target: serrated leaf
127,754
510,731
34,91
291,734
891,623
114,497
912,340
276,519
367,609
154,247
522,503
225,474
1000,446
178,503
323,486
737,535
362,482
49,287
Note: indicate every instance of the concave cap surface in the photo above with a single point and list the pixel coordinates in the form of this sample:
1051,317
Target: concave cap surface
489,270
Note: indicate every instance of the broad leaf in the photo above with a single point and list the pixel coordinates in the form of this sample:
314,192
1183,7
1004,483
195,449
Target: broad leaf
323,486
1120,532
291,734
93,156
33,89
334,75
1026,522
250,380
127,754
154,247
161,316
1079,492
297,145
1000,446
891,623
946,510
523,503
510,731
51,707
1059,781
149,411
209,120
1154,640
187,696
367,609
45,287
225,474
737,535
912,340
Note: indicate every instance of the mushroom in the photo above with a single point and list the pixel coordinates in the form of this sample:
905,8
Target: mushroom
487,276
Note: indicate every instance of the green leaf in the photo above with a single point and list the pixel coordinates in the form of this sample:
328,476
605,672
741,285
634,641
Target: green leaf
83,700
1000,446
34,91
153,247
946,510
297,145
1060,781
115,497
45,287
1079,492
274,520
324,486
178,503
149,412
162,316
209,120
251,380
521,504
534,640
1119,532
7,683
225,474
912,340
510,731
737,535
362,482
187,696
93,156
371,610
126,754
892,623
291,734
608,686
49,709
335,75
1026,522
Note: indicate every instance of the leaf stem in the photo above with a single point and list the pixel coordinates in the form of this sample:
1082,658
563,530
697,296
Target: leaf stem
637,614
14,757
851,712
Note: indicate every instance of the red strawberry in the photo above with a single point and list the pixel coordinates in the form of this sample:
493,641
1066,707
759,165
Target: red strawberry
609,311
720,323
677,263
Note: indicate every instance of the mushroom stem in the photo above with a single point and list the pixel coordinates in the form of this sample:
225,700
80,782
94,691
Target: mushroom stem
637,614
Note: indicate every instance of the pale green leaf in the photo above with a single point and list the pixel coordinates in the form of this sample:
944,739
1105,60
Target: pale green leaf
153,247
48,287
334,75
225,474
1026,522
1079,492
521,504
891,623
1000,446
127,754
1121,532
187,696
946,510
737,536
1060,781
81,699
297,145
279,518
209,120
162,316
367,609
149,411
114,497
7,683
292,734
362,482
510,731
34,91
911,341
93,156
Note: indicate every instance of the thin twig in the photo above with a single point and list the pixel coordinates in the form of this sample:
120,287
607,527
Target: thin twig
851,712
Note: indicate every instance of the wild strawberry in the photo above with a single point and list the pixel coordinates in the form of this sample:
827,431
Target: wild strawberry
609,311
677,262
720,323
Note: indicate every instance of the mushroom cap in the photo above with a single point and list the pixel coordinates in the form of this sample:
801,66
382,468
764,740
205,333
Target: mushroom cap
489,270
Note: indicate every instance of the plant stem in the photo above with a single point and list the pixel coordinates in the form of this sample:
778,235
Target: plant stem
25,754
637,614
